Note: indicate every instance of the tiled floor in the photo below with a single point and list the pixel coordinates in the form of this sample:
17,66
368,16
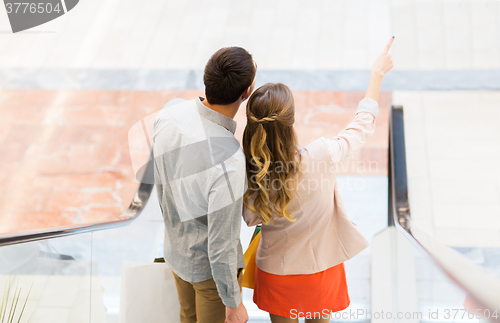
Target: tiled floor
282,34
66,159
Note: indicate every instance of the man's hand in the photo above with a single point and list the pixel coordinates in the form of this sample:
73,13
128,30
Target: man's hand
383,64
236,314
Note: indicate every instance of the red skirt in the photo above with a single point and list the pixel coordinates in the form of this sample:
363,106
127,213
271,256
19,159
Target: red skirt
302,295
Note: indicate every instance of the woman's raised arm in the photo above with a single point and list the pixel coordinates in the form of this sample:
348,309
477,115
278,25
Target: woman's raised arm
353,137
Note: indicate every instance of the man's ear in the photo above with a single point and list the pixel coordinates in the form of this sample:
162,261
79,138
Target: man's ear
247,92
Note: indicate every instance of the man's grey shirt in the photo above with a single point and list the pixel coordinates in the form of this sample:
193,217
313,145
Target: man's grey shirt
199,171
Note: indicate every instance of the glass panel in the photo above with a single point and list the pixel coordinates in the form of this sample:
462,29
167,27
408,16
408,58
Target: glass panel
58,272
114,251
439,299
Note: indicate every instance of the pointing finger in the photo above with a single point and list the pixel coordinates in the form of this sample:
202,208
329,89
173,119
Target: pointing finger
389,44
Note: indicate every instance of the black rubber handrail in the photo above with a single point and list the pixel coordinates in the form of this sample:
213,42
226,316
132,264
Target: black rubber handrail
134,210
482,287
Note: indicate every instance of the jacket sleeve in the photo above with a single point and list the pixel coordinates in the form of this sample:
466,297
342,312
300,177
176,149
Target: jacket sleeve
251,218
353,137
225,205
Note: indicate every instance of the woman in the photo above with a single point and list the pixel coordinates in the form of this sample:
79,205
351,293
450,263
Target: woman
306,234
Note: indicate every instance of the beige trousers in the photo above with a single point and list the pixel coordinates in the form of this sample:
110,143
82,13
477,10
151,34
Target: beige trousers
200,302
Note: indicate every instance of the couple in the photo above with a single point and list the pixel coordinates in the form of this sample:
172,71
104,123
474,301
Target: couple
206,182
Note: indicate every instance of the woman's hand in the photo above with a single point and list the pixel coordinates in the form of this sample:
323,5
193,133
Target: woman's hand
383,64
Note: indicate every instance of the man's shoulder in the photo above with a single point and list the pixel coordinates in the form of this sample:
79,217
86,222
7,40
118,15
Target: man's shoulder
179,117
175,107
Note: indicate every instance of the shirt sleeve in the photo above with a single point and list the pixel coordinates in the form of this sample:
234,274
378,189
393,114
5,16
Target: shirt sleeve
353,137
224,224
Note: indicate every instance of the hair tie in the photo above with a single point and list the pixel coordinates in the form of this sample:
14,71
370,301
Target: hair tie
263,120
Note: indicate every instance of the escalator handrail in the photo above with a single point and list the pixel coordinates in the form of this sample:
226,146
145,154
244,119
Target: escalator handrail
481,286
134,210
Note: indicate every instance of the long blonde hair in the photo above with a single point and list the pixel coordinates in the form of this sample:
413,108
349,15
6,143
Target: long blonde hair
270,146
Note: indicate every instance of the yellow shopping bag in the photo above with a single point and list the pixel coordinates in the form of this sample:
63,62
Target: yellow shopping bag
249,270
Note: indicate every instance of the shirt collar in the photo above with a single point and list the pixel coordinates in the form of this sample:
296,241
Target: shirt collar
216,117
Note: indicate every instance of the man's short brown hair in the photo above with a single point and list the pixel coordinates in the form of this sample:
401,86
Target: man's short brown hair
228,73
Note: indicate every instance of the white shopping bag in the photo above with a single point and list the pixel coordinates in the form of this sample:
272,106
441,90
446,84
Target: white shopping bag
148,294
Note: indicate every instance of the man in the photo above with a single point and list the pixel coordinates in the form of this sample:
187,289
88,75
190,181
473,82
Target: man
200,177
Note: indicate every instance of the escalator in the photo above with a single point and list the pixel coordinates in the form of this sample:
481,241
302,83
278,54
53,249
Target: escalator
85,273
416,278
